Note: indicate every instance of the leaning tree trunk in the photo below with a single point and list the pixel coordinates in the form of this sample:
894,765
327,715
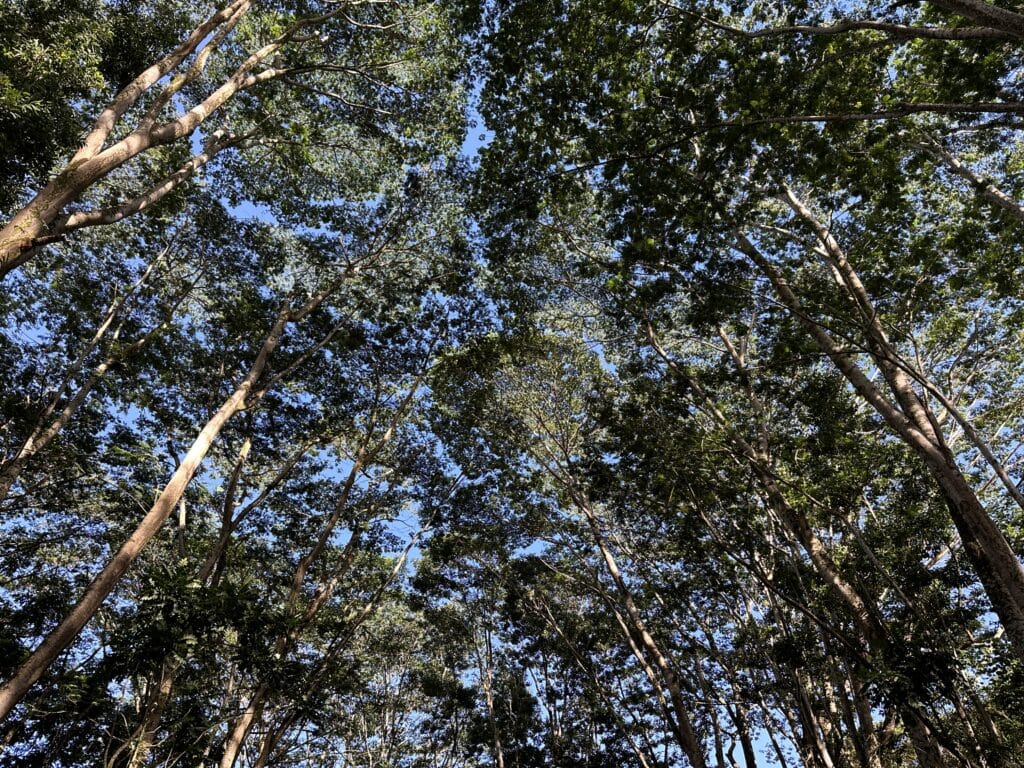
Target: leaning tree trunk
32,668
997,566
688,740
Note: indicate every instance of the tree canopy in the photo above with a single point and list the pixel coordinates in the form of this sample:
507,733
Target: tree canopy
512,383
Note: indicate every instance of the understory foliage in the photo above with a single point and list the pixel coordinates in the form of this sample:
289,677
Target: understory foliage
515,383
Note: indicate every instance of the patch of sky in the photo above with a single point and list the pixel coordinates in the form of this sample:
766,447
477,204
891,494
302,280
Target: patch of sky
478,135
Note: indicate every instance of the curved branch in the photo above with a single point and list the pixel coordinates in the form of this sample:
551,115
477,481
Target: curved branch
116,213
984,187
900,109
897,31
985,13
130,94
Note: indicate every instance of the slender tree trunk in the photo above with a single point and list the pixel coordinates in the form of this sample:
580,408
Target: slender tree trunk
65,633
486,662
716,726
47,428
271,739
868,624
241,726
810,723
545,611
42,221
737,712
689,742
742,720
925,748
141,741
998,568
872,748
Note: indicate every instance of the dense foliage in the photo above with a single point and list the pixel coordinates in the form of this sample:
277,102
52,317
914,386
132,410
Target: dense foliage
512,383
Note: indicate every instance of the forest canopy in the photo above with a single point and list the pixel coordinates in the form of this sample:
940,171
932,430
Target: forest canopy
511,383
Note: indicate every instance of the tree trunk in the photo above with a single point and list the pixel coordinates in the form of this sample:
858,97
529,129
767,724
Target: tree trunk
65,633
141,741
45,428
997,566
240,728
27,230
687,736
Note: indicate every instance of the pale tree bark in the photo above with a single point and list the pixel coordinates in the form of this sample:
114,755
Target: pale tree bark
907,414
992,23
241,726
861,610
557,464
899,375
984,187
998,567
39,661
41,221
21,237
866,719
613,706
812,728
48,425
738,712
137,746
141,740
984,13
212,569
485,666
33,667
844,26
689,742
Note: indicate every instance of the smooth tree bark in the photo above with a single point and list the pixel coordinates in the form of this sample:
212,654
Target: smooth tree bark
990,15
861,608
137,746
245,395
990,22
686,734
556,461
907,414
30,670
485,669
52,421
30,228
613,704
241,727
369,449
43,220
211,571
982,186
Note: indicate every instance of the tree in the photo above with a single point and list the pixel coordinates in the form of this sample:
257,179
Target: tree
336,59
691,190
680,426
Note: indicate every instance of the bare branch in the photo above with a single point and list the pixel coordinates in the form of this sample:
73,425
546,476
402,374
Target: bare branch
131,93
984,187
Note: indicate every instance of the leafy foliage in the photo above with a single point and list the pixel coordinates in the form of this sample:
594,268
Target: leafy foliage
680,425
